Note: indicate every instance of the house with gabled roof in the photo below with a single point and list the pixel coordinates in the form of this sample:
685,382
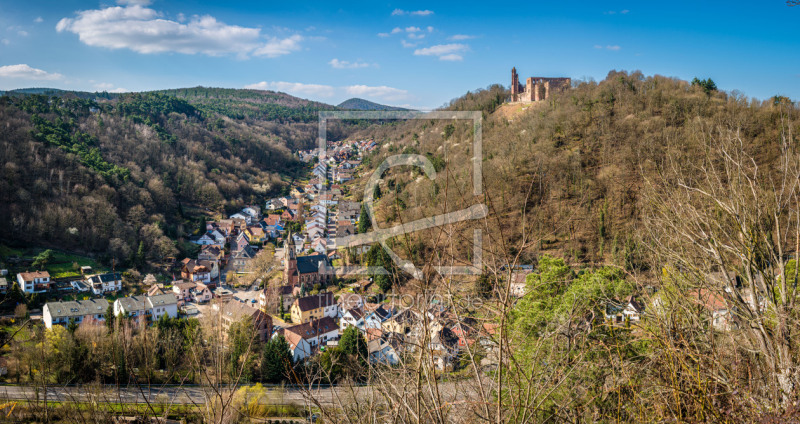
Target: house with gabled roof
313,307
104,283
60,313
232,312
147,307
305,339
34,282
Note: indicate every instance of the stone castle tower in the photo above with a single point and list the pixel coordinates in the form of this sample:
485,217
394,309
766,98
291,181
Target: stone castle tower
535,88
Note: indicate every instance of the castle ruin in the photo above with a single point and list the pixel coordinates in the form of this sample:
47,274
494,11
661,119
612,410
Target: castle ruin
535,88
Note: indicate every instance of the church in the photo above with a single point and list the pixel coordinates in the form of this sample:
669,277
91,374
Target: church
304,271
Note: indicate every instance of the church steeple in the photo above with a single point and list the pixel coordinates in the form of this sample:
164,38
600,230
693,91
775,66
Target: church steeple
289,259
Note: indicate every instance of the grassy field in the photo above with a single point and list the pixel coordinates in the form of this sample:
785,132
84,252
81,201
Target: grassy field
62,265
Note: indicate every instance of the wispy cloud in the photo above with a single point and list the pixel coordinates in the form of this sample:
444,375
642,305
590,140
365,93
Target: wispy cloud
447,52
460,37
407,44
144,30
38,20
22,33
134,2
614,12
5,41
23,71
379,93
401,12
278,47
344,64
107,86
413,32
382,92
295,88
608,47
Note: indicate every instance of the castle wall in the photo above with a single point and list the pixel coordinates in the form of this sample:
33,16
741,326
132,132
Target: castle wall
536,88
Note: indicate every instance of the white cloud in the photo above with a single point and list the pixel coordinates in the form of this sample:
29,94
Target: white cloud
412,31
408,45
609,47
22,33
107,86
278,47
38,20
343,64
401,12
295,88
144,30
460,37
379,93
448,52
452,57
134,2
5,41
614,12
23,71
382,92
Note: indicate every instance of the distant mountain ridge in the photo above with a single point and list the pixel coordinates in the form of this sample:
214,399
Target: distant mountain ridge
361,104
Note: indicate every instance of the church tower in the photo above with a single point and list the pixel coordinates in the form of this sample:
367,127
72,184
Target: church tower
289,258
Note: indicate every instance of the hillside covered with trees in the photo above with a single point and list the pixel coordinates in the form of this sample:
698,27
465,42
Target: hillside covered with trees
129,175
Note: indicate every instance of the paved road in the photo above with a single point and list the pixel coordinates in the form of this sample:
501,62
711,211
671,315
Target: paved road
191,394
186,395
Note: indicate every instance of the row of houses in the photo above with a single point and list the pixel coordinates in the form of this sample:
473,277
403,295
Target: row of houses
99,284
138,308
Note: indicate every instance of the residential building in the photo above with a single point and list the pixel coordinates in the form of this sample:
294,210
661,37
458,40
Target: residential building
382,352
150,307
104,283
34,282
353,317
314,307
240,260
60,313
313,334
192,270
233,311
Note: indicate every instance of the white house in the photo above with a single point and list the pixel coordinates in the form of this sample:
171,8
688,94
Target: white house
152,307
353,317
34,282
104,283
376,318
305,339
381,352
239,215
205,240
60,313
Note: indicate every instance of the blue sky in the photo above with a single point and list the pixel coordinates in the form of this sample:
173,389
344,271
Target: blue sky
415,54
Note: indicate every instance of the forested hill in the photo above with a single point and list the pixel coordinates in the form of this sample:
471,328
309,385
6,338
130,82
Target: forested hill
572,168
252,104
136,172
361,104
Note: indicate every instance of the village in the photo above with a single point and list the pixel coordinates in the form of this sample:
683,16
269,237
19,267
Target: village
301,301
